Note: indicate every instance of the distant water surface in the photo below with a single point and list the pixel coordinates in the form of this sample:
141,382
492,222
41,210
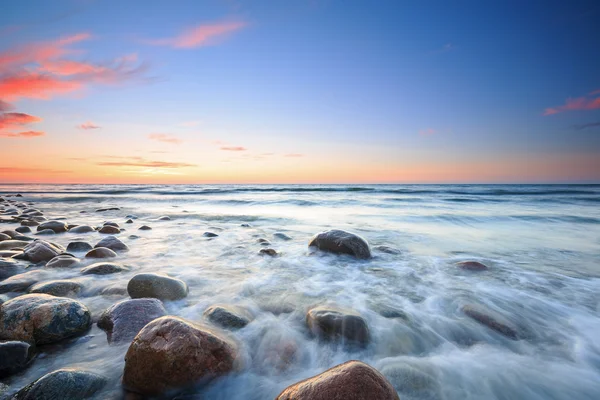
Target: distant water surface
541,242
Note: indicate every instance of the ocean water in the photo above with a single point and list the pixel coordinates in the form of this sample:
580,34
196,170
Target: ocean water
541,242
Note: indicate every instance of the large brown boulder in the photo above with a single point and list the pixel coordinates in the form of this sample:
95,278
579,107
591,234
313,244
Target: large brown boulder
125,319
341,242
334,324
42,319
171,353
352,380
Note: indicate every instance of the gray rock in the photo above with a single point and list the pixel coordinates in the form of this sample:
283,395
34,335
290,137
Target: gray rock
102,268
9,267
4,236
56,226
472,266
334,323
41,250
29,223
228,316
100,252
164,218
267,252
125,319
341,242
23,229
209,234
158,286
10,233
111,242
79,247
388,250
42,319
82,229
14,357
109,223
58,288
63,261
63,384
129,221
145,228
108,209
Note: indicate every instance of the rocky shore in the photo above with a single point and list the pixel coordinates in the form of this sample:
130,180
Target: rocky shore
165,354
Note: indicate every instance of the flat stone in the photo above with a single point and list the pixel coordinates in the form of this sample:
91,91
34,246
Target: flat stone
125,319
14,357
56,226
79,247
111,242
228,316
341,242
100,252
333,324
63,384
82,229
58,288
158,286
102,268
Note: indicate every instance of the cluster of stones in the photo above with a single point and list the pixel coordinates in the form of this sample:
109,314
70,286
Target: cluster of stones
166,353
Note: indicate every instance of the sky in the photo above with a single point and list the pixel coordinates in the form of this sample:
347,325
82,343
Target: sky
299,91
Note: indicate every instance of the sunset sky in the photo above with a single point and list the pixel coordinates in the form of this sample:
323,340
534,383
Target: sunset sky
310,91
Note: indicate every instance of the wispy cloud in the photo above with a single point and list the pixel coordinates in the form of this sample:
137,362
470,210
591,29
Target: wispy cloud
233,148
35,86
10,122
165,138
427,132
581,127
26,134
141,162
25,170
200,35
588,102
88,125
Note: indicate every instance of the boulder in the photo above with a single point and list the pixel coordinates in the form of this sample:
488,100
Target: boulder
100,252
228,316
492,320
103,268
110,230
63,261
334,323
66,383
82,229
341,242
58,288
144,228
13,244
125,319
352,380
79,247
472,266
172,353
23,229
42,319
14,357
22,282
158,286
41,250
111,242
56,226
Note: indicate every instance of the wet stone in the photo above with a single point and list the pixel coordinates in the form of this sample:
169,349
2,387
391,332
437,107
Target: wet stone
22,282
14,357
109,230
158,286
125,319
144,228
64,384
41,250
82,229
63,261
79,247
58,288
100,252
228,316
56,226
103,269
113,243
281,236
337,324
268,252
46,232
209,234
23,229
492,320
341,242
164,218
472,266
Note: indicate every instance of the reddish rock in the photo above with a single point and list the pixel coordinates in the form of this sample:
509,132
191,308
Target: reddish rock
341,242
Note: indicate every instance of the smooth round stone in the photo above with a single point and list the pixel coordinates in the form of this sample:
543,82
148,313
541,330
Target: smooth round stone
59,288
56,226
172,353
100,252
164,218
492,320
63,261
41,250
9,267
79,247
29,223
144,228
42,319
282,236
472,266
123,320
13,244
23,229
64,384
228,316
109,223
22,282
111,242
268,252
103,269
133,237
158,286
82,229
46,232
334,323
263,241
4,237
209,234
352,380
14,357
110,230
341,242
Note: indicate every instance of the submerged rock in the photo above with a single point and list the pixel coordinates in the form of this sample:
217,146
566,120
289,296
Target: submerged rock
56,226
111,242
103,269
22,282
472,266
282,236
63,261
64,384
171,353
9,267
125,319
158,286
341,242
129,221
42,319
82,229
14,357
79,247
388,249
41,250
492,320
412,379
58,288
267,252
209,234
352,380
333,323
108,209
164,218
100,252
228,316
4,236
46,232
29,223
109,223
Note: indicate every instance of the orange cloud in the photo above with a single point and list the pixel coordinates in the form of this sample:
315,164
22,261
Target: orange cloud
88,125
8,120
27,134
140,162
21,170
233,148
161,137
579,103
35,86
201,35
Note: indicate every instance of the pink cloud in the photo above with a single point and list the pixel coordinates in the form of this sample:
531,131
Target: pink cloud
574,104
9,120
233,148
201,35
35,86
27,134
4,106
138,162
165,138
88,125
427,132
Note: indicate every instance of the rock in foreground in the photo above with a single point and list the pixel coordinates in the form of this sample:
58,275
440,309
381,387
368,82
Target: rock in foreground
333,323
341,242
59,288
171,353
67,384
42,319
125,319
14,357
352,380
158,286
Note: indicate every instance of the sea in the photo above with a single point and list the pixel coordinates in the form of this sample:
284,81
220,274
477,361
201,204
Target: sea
540,242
